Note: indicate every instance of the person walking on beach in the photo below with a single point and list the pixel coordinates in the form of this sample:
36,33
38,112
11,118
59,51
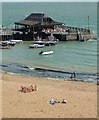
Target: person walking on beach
73,75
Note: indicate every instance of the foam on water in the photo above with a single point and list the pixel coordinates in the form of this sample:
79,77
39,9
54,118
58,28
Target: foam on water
48,73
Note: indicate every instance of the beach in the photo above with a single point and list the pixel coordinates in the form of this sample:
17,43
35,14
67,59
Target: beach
81,98
22,66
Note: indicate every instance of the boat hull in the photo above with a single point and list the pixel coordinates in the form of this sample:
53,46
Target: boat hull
46,53
36,46
5,47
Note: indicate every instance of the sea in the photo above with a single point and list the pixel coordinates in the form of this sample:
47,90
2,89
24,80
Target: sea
67,57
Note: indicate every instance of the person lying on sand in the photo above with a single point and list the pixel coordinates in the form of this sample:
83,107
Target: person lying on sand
35,88
53,101
28,89
64,101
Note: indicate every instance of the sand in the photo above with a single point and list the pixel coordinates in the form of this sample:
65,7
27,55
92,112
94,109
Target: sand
81,98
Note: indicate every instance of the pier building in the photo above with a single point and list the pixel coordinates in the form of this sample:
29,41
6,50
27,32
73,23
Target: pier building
40,25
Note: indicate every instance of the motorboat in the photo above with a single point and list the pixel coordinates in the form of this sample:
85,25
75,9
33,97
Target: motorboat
36,46
16,41
10,43
50,40
46,52
4,45
46,43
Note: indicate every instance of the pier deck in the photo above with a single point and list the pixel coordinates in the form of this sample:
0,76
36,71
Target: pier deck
38,24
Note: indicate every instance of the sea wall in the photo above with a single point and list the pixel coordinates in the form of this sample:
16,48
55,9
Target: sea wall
80,36
70,35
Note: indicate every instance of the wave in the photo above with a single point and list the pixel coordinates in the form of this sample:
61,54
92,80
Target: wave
48,73
88,54
51,70
92,40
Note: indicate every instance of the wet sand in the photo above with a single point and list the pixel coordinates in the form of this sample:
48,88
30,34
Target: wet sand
81,98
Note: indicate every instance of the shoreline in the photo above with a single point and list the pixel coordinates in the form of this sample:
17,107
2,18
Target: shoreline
81,98
48,78
42,72
81,69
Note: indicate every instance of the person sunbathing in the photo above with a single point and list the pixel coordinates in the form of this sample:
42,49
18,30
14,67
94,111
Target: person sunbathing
35,88
64,101
28,89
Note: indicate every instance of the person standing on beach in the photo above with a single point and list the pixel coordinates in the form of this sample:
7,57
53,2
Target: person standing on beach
73,75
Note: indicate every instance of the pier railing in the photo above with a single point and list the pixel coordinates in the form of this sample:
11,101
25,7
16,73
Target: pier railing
62,33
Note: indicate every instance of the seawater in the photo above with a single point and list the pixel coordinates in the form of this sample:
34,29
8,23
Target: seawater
68,56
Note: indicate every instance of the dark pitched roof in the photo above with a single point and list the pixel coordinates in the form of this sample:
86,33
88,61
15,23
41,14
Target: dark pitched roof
27,22
37,19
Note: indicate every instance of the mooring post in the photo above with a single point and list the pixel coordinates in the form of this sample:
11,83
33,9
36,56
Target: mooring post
33,32
88,22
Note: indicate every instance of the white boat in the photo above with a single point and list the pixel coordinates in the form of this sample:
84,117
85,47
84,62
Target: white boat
16,41
36,46
46,43
10,43
4,45
46,52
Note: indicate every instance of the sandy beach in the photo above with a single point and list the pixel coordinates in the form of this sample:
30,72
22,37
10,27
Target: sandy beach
81,98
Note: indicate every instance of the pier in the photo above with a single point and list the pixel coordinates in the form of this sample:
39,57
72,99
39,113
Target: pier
5,34
38,24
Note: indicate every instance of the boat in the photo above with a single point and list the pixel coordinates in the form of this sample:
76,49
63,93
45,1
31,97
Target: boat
46,52
50,40
46,43
36,46
10,43
16,41
4,45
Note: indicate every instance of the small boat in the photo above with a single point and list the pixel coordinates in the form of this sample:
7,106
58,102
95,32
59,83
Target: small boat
16,41
4,45
50,40
36,46
46,43
10,43
46,52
